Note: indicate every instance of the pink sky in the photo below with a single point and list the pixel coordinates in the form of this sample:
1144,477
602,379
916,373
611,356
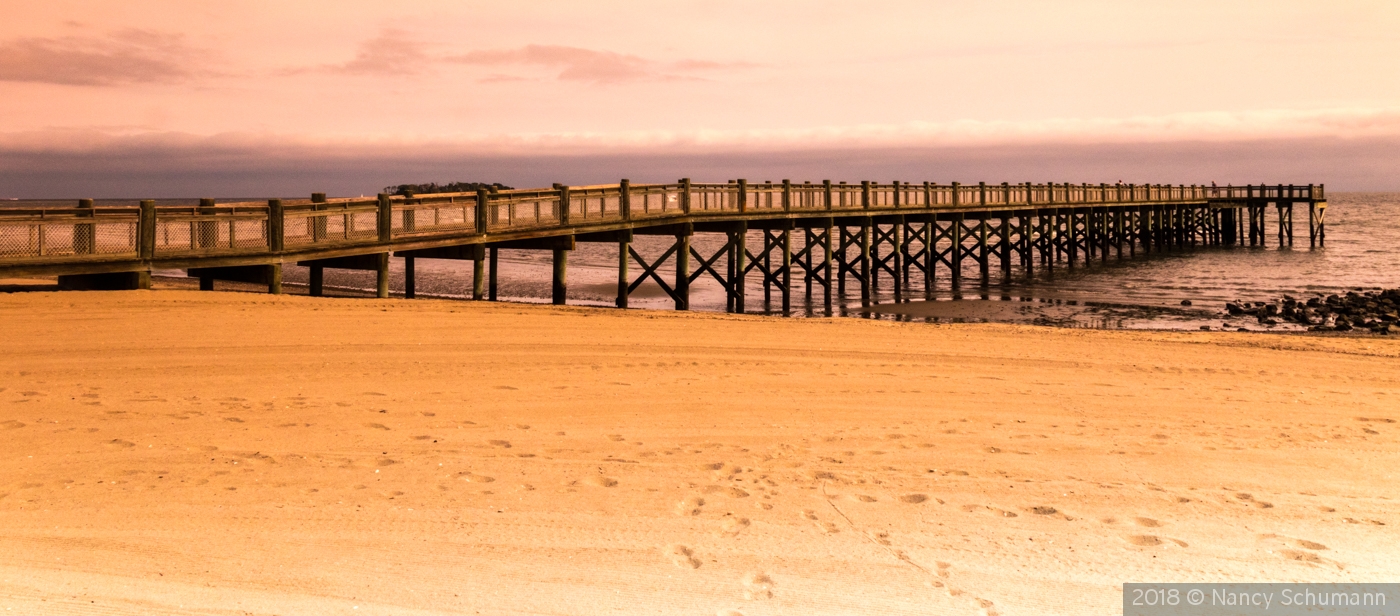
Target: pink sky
225,96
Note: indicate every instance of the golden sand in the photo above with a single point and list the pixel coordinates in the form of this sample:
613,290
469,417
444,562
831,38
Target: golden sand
217,453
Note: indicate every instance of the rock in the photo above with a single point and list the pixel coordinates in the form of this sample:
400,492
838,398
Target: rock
1234,308
1185,302
1205,328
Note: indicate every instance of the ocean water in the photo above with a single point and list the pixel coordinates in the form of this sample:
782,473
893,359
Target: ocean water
1362,252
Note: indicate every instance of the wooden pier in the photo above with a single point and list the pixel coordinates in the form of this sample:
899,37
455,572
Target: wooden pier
831,235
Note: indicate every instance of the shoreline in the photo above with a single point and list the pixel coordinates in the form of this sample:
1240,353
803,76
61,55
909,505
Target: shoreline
1012,308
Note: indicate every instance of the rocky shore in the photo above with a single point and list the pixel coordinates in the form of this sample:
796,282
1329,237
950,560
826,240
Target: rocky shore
1375,311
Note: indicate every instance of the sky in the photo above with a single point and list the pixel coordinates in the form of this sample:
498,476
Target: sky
260,98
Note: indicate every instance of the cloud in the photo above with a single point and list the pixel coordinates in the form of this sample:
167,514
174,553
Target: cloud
125,57
398,52
593,66
575,64
393,52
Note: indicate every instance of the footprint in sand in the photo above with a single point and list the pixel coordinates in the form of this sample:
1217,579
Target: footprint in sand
470,477
617,438
120,444
1043,510
1147,522
913,499
682,556
499,443
377,426
1311,545
757,586
690,506
826,527
1153,540
1301,556
989,509
863,498
732,526
600,481
11,424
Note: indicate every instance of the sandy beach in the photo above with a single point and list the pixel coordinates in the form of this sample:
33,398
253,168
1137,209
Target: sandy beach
177,452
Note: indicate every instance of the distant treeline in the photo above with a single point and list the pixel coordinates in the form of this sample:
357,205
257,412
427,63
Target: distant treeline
408,190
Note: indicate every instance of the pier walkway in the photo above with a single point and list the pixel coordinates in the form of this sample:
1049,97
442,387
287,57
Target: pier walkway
825,234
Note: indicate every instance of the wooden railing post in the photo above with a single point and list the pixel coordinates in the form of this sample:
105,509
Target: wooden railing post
624,198
85,235
787,195
386,218
147,237
865,194
957,198
206,231
743,195
685,195
276,225
826,196
483,198
564,203
318,223
981,193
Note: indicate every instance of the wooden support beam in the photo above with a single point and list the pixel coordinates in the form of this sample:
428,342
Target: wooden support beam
491,274
478,272
1072,238
381,277
624,247
560,284
787,271
828,261
955,272
409,284
1004,245
866,293
683,272
741,267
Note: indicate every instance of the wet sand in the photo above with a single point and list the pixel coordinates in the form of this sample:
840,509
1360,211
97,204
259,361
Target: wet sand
178,452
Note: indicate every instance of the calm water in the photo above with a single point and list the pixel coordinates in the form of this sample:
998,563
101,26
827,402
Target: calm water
1363,233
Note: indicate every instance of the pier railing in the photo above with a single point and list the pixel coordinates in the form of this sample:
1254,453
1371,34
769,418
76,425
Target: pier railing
86,233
